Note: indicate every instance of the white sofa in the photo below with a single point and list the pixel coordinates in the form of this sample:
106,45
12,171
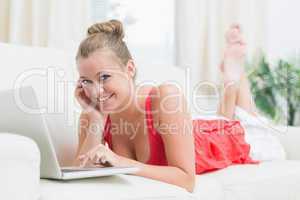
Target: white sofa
19,156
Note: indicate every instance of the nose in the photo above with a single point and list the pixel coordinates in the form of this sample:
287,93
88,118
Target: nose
99,90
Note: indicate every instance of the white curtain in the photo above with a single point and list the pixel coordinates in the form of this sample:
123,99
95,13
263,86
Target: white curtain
52,23
200,29
283,40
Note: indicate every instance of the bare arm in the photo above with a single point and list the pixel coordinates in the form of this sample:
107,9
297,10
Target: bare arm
89,133
90,123
175,129
169,174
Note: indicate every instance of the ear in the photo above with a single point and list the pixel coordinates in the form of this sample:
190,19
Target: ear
130,67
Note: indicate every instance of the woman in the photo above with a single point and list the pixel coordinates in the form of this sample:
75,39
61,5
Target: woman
149,127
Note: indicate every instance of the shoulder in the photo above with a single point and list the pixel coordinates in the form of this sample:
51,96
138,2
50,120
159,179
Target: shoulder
161,92
157,94
172,119
168,98
168,104
168,87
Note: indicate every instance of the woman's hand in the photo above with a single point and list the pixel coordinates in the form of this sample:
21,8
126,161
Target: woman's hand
100,155
88,106
91,124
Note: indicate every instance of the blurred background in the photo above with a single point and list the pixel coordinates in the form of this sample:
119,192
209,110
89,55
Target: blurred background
185,33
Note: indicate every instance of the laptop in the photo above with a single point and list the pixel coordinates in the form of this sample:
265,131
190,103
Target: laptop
18,115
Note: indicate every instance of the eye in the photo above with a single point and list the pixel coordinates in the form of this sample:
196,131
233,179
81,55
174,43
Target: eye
104,77
85,81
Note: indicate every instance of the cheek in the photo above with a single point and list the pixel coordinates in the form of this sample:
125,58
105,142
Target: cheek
120,88
123,86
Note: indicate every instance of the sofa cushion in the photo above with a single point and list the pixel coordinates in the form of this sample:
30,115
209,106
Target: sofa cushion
268,180
118,187
19,169
208,188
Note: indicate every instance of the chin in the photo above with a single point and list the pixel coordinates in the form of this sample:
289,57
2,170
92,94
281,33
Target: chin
109,109
110,106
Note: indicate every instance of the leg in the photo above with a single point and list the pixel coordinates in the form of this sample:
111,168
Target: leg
233,72
244,97
228,100
237,95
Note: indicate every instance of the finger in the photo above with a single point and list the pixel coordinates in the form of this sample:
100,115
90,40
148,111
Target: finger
99,157
84,162
97,152
99,147
83,99
98,165
81,157
79,83
103,160
82,94
79,94
91,156
78,90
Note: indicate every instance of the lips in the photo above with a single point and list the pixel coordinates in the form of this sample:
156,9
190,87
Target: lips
102,99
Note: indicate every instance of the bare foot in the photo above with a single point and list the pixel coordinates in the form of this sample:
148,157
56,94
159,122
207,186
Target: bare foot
234,55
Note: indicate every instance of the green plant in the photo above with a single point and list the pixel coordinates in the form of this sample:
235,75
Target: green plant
276,89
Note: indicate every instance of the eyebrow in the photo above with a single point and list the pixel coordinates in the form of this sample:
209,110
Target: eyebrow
96,75
100,72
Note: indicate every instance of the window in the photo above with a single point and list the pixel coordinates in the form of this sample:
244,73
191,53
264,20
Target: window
149,27
283,37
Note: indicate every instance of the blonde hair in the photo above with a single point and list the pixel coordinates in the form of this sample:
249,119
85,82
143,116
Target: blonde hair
105,36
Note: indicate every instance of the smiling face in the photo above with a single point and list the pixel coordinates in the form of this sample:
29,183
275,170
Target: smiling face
105,81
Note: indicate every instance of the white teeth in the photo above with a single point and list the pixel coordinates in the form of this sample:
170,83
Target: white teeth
103,98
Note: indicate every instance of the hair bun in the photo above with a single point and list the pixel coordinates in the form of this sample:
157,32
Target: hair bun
111,27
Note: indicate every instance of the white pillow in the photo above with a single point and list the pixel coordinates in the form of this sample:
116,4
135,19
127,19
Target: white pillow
259,134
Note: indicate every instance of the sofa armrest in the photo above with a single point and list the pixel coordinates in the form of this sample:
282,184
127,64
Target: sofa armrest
289,137
19,168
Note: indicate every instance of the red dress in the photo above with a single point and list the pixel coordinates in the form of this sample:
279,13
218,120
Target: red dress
218,143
